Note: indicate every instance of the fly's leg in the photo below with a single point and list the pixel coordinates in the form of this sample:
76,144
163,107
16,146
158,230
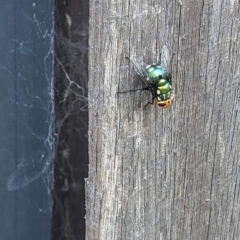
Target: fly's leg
169,78
135,90
150,102
160,57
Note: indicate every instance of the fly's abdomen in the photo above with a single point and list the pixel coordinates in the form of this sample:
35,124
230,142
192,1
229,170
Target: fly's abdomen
155,73
164,89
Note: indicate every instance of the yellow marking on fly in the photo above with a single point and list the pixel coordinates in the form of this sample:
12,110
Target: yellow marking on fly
165,103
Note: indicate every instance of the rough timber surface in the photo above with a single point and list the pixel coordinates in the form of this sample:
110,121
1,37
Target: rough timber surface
155,173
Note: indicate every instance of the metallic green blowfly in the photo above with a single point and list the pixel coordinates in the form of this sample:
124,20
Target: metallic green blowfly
157,78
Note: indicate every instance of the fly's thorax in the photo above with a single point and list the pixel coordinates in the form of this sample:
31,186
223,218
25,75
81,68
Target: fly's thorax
154,73
164,89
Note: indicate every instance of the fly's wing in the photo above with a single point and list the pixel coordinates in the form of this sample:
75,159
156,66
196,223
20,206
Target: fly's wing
165,59
140,69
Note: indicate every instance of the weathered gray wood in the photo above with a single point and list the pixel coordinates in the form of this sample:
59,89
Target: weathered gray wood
155,173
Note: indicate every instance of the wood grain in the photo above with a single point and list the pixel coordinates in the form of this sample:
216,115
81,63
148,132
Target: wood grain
155,173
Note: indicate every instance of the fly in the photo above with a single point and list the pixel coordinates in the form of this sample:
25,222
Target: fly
157,79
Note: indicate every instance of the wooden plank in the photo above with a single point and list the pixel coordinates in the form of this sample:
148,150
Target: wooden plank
155,173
